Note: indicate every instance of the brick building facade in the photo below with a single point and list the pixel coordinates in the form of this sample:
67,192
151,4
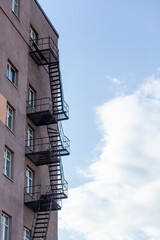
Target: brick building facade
32,107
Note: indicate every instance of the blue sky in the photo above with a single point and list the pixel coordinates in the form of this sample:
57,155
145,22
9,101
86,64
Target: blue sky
109,56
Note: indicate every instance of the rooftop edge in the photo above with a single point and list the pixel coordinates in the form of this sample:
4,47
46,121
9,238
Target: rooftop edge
38,4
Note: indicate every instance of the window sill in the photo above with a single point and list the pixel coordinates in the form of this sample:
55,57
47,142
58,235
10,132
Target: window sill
16,16
8,178
31,149
10,130
31,195
12,83
33,107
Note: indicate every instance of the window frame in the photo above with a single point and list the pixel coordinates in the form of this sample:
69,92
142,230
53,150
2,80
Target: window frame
30,137
30,100
4,226
15,7
25,237
29,180
9,160
10,70
9,116
33,34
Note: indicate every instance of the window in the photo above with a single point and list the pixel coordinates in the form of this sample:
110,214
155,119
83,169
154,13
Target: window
33,34
7,163
32,96
4,227
11,73
9,117
15,7
26,234
30,135
29,180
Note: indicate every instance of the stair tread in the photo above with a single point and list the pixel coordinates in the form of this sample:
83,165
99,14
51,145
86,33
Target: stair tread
42,218
55,175
41,214
40,227
56,170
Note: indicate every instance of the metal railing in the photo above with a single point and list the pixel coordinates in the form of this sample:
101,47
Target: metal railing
34,193
39,105
46,104
58,191
65,140
41,44
56,141
38,145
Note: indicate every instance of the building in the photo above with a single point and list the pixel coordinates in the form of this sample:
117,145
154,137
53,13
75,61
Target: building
32,107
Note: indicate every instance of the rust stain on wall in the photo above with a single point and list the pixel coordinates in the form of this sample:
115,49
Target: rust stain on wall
3,105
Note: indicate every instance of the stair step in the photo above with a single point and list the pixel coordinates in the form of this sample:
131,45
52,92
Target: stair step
52,172
40,223
52,141
54,184
53,67
52,79
55,89
53,71
55,84
52,129
54,93
58,179
58,191
52,175
42,214
56,133
55,170
55,97
55,79
58,101
38,237
55,165
40,227
42,218
54,75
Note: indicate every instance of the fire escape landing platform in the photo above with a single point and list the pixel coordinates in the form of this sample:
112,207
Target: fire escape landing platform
43,111
44,51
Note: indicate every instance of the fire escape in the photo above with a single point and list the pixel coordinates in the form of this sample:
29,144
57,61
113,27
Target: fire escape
48,149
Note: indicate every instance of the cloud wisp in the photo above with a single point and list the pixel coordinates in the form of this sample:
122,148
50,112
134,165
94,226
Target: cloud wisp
114,80
121,199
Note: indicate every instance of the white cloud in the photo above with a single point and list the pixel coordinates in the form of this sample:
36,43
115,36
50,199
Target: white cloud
121,199
114,80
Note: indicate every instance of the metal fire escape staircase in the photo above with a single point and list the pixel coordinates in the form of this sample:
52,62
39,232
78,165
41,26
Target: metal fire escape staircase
60,107
57,181
41,222
45,52
60,144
